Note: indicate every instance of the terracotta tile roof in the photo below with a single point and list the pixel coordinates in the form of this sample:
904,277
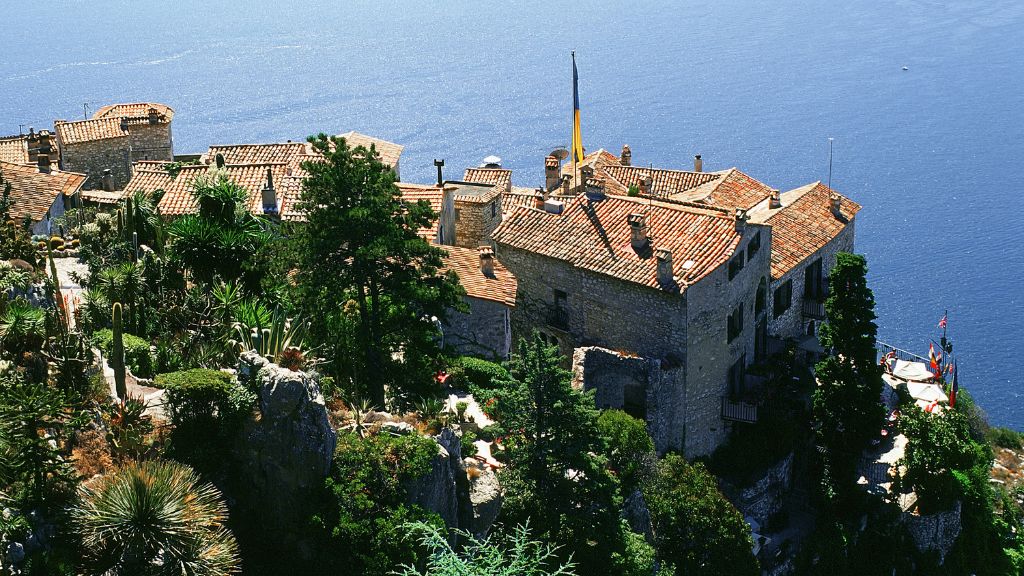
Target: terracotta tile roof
14,149
596,236
177,198
664,183
732,190
497,176
804,224
134,110
432,194
598,159
102,196
88,130
474,192
34,192
291,153
466,263
290,195
524,197
389,151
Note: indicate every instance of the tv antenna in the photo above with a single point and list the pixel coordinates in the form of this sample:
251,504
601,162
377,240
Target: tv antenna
830,163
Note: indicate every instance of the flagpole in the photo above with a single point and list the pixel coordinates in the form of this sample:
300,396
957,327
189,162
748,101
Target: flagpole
575,170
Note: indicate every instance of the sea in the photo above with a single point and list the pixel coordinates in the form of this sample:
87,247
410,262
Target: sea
923,101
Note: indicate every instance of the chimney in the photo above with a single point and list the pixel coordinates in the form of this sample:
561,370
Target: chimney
538,200
698,164
440,175
107,180
551,175
219,159
835,204
638,231
645,184
269,196
553,206
565,184
741,219
487,261
774,200
594,189
43,160
664,258
154,116
626,158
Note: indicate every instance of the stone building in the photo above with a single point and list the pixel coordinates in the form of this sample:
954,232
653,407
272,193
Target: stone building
41,194
485,330
114,138
670,281
442,201
810,226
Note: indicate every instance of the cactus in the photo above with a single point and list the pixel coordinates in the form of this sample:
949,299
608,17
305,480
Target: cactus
120,224
129,218
117,351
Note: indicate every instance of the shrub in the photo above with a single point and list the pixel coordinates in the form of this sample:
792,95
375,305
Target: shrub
136,351
1005,438
468,446
476,372
630,448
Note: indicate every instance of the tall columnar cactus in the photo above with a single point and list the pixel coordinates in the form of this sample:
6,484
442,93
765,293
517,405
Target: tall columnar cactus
129,218
58,298
120,224
117,351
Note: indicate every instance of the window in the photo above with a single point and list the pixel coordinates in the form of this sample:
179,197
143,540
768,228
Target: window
734,325
754,246
494,208
814,287
737,375
783,298
735,265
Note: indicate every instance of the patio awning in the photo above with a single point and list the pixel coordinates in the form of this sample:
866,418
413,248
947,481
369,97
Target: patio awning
911,371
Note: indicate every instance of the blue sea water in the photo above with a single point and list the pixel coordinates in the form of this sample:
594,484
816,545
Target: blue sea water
934,153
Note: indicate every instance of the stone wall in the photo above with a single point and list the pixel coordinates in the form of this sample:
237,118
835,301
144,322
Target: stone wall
476,221
792,323
709,354
151,141
762,499
935,533
615,377
598,310
95,156
484,331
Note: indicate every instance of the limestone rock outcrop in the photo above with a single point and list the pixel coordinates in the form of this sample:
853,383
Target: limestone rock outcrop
436,490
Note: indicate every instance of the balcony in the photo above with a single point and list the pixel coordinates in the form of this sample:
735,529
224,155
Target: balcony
738,410
814,309
558,318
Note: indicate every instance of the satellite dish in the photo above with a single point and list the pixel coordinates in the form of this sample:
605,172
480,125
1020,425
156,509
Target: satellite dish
560,153
491,162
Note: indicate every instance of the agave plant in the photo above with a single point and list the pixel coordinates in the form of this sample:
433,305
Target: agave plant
13,278
155,517
22,327
359,409
271,342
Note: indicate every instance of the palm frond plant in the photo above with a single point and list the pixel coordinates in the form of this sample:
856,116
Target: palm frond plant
155,517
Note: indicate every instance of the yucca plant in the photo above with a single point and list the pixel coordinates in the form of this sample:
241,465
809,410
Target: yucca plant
359,408
280,335
155,517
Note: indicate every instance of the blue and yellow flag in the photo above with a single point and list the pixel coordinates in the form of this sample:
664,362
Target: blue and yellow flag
577,142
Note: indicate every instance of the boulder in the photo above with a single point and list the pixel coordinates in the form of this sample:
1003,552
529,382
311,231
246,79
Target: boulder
935,533
286,453
762,498
436,490
636,514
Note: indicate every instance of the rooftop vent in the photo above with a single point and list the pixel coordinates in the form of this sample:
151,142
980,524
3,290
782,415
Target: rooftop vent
774,199
638,230
487,261
491,162
698,164
626,159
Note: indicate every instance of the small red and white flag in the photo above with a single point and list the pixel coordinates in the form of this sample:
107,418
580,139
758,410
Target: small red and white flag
942,323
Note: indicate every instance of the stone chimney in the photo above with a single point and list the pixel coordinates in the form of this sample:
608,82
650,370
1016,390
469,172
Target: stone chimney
154,116
637,231
741,219
566,179
43,160
698,164
626,158
594,189
551,173
487,261
645,184
269,195
664,258
219,160
774,199
107,180
538,200
835,204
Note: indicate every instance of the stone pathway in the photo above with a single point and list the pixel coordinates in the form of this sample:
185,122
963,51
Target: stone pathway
70,289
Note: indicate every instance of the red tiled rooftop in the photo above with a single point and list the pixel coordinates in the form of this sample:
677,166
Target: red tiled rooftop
389,151
14,149
89,130
135,110
33,192
178,199
501,177
595,236
664,183
804,224
501,287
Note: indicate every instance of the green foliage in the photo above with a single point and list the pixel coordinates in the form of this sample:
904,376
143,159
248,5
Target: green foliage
136,351
630,448
1004,438
938,447
22,328
475,373
15,240
499,555
12,278
127,426
847,408
271,337
362,521
35,422
696,528
556,475
207,408
155,517
361,247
